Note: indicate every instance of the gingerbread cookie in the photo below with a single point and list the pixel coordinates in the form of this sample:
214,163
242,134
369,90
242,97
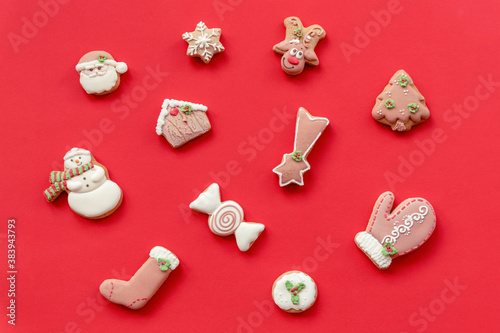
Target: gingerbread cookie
180,121
100,73
294,291
137,291
91,193
392,234
400,105
203,42
307,132
298,47
226,218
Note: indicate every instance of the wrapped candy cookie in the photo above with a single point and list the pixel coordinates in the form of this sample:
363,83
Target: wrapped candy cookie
91,193
226,218
391,234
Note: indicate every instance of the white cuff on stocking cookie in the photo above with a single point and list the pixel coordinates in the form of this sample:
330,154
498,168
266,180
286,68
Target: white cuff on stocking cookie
391,235
226,218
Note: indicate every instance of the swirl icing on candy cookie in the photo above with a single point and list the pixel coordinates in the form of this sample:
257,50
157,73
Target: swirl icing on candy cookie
294,291
400,105
226,218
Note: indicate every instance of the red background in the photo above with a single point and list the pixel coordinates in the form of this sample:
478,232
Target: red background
62,258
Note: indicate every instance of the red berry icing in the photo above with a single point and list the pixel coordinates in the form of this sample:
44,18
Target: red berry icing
174,111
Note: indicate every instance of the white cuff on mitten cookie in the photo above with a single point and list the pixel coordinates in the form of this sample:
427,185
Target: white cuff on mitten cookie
373,249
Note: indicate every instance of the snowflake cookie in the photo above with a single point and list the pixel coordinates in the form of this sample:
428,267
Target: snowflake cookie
203,42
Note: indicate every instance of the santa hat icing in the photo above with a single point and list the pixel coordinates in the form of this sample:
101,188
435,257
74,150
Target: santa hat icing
74,152
94,58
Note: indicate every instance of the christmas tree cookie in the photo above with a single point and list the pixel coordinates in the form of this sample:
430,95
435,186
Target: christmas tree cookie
400,105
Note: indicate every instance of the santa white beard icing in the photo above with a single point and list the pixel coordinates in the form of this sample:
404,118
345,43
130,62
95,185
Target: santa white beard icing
99,82
91,193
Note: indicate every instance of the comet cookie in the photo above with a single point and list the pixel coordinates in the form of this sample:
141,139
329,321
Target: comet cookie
298,47
180,121
294,291
400,105
203,42
391,234
226,218
307,131
91,193
136,292
100,73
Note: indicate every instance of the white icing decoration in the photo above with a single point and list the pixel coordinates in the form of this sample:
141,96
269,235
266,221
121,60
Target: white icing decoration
226,218
172,103
294,41
304,153
307,296
373,249
98,84
97,202
202,42
74,152
161,252
121,67
407,224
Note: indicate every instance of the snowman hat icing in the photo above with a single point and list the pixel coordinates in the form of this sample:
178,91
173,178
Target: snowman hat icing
75,151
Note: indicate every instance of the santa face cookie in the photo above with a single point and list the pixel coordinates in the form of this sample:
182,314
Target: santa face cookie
298,47
180,121
226,218
400,105
99,72
294,291
136,292
391,234
91,193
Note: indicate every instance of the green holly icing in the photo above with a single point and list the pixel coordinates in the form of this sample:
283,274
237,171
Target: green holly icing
294,290
413,107
164,264
187,109
388,249
298,32
101,57
297,156
389,104
403,81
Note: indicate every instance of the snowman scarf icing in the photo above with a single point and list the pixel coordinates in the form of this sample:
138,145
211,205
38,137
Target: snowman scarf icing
59,178
226,218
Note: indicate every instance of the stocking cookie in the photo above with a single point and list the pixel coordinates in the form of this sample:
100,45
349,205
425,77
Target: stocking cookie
91,193
307,131
298,47
392,234
137,291
400,105
180,121
226,218
99,72
203,42
294,291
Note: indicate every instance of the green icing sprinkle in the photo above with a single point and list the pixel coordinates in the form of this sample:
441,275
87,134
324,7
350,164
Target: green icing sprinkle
298,32
164,264
294,290
297,156
389,104
413,107
187,109
388,249
403,81
101,57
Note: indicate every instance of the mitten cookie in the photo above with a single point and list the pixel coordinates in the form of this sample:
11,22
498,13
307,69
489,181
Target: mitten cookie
99,72
392,234
298,47
226,218
307,132
180,122
294,291
137,291
400,105
91,193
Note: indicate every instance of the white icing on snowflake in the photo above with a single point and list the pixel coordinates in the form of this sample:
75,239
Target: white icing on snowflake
200,42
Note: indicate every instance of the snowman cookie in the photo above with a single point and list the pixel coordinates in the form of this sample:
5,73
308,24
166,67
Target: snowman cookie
294,291
91,193
99,72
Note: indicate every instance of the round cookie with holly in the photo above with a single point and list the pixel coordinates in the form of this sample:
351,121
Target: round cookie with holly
294,291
